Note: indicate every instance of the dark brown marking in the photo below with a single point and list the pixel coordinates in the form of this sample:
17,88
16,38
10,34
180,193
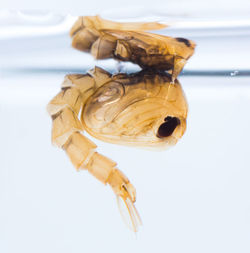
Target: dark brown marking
185,41
67,143
77,99
54,116
65,89
145,75
168,127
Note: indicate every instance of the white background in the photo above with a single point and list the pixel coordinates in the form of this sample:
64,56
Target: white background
192,198
83,7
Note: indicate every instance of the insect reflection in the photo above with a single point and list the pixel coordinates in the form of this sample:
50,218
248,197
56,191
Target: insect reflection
129,42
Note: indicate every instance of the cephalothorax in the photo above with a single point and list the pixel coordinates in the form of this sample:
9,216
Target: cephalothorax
129,42
140,109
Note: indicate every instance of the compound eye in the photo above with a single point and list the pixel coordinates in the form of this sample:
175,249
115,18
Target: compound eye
168,127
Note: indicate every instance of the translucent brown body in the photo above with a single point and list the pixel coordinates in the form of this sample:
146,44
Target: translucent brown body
141,109
129,42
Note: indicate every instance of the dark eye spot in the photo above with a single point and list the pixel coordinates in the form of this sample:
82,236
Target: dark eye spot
168,127
168,118
185,41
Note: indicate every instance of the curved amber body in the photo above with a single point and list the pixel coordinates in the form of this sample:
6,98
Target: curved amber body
142,109
129,109
145,109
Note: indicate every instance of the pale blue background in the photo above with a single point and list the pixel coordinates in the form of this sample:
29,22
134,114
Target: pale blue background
192,198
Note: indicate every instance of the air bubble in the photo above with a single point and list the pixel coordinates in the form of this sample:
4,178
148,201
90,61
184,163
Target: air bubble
234,73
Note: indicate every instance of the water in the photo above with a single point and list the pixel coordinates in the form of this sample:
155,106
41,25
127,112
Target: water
193,197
